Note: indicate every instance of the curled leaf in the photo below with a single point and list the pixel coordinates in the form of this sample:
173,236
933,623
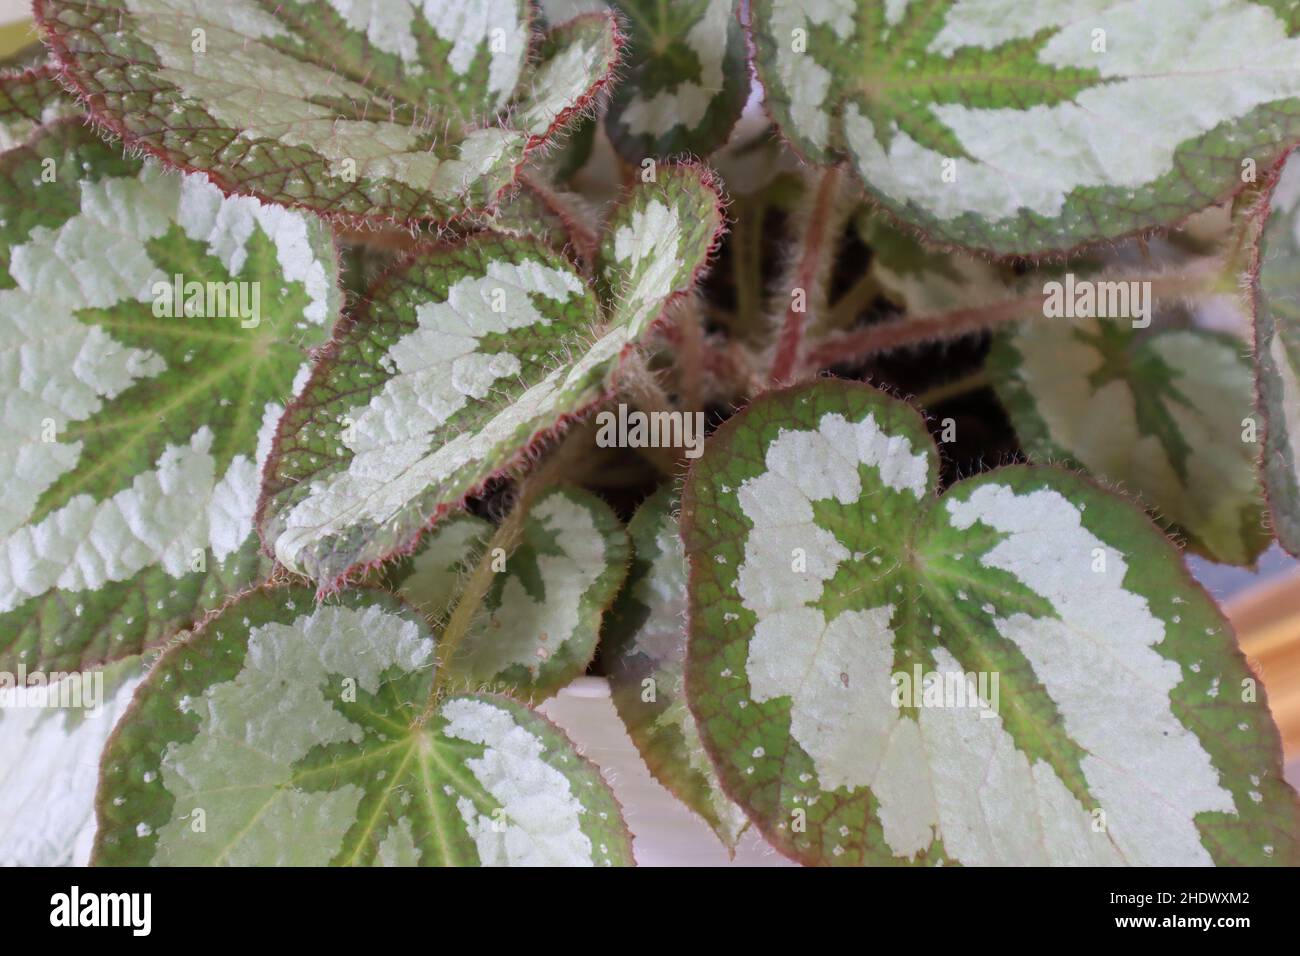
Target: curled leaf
539,622
646,654
461,361
686,79
30,100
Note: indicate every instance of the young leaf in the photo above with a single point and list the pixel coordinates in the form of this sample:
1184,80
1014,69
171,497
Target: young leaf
685,78
646,653
49,763
461,362
541,619
1023,129
1019,671
1277,352
134,420
286,733
455,364
401,111
29,100
657,242
1164,416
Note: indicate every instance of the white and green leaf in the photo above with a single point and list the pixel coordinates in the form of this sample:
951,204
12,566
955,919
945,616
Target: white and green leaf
1019,671
645,651
457,366
286,733
1277,354
685,78
50,744
1024,129
538,625
131,440
394,111
1167,417
657,242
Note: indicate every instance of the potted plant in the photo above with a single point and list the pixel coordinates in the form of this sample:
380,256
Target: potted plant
843,384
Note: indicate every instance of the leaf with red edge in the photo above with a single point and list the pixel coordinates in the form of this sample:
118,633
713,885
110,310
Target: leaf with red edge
395,111
687,78
1028,128
458,364
1016,672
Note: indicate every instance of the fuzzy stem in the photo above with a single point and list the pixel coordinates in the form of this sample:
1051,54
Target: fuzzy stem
819,234
726,364
961,386
850,305
1249,213
854,347
746,260
393,239
690,351
641,386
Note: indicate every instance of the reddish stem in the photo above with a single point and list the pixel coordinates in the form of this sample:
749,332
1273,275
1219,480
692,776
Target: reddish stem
901,333
816,238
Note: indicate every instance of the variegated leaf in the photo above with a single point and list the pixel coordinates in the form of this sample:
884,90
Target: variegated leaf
1277,354
1167,417
657,242
539,623
645,651
29,100
134,420
50,743
458,365
287,733
685,78
1019,671
1026,128
453,367
397,111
